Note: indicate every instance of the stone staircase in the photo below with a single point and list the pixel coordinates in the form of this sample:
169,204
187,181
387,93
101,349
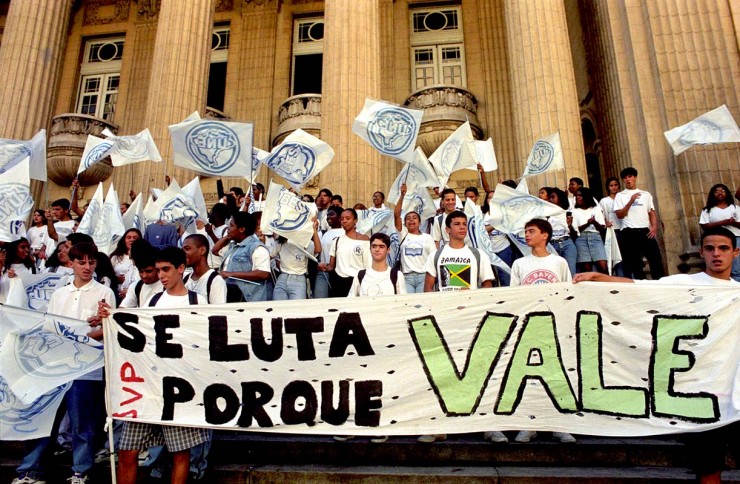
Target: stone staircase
239,457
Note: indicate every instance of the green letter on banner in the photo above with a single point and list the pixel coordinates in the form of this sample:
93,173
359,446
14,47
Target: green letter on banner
536,356
596,397
460,394
667,360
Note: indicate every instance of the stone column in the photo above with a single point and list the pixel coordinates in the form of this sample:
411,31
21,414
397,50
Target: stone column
178,81
31,56
351,73
543,86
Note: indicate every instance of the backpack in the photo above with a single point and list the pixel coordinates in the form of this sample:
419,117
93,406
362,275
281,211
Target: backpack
211,277
192,298
137,291
394,277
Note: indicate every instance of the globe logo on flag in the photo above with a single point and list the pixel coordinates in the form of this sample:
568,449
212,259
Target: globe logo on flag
177,210
291,214
17,201
20,416
294,162
699,132
11,152
131,147
451,153
213,146
391,131
97,153
542,155
516,211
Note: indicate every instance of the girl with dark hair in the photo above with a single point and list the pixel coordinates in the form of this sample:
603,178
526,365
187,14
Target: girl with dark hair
561,230
607,203
589,219
38,237
721,211
120,258
18,257
544,193
415,247
59,260
349,254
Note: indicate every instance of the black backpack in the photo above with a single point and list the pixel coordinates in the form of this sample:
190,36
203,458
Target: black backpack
208,284
394,277
192,298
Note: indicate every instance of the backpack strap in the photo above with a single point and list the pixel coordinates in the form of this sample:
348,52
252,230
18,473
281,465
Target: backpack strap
137,291
192,297
186,278
394,279
208,285
155,299
361,275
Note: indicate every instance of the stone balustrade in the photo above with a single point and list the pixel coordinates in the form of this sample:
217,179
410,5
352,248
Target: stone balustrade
302,111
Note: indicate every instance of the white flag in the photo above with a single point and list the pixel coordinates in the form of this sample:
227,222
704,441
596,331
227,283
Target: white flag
373,221
13,152
40,287
482,152
421,202
212,147
418,173
478,236
546,155
448,157
113,219
511,209
134,216
389,128
194,191
299,158
96,149
716,126
132,149
287,215
173,205
258,158
93,222
17,202
522,186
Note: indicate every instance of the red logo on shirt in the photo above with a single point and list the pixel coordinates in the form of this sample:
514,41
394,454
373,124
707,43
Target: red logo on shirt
540,276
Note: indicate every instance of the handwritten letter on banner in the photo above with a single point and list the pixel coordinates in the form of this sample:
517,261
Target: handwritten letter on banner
607,359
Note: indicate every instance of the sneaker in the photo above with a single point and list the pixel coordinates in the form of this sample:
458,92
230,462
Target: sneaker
77,479
379,439
143,456
428,439
27,479
495,436
62,451
343,438
525,436
564,437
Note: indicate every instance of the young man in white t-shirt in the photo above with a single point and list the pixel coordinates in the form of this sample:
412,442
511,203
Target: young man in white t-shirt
60,224
140,291
540,267
332,217
378,280
636,210
203,280
456,266
448,200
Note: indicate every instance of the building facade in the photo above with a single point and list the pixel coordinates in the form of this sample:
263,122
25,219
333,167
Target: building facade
610,75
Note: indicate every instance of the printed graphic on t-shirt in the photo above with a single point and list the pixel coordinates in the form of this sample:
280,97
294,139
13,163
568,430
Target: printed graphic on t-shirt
540,276
454,273
358,250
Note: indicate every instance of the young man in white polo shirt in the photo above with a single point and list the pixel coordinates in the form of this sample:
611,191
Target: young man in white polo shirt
379,279
636,210
84,402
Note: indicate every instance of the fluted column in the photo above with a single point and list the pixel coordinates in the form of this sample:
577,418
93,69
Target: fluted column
31,57
178,81
351,73
543,87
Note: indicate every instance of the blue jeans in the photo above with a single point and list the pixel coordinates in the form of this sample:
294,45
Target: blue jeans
414,281
85,404
290,286
321,287
506,255
567,250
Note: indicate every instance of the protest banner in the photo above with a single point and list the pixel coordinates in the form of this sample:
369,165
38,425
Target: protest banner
716,126
603,359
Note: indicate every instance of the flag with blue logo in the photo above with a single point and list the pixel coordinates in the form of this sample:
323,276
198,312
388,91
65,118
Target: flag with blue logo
194,191
546,155
716,126
102,220
96,149
40,354
418,173
132,149
12,152
389,128
371,221
40,287
172,205
17,202
300,157
258,157
134,216
217,148
287,215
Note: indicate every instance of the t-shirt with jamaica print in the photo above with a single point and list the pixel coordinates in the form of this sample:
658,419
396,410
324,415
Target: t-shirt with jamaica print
457,269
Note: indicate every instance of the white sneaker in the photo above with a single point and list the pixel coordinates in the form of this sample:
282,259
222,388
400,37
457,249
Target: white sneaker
495,436
379,439
525,436
343,438
564,437
428,439
77,479
27,479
